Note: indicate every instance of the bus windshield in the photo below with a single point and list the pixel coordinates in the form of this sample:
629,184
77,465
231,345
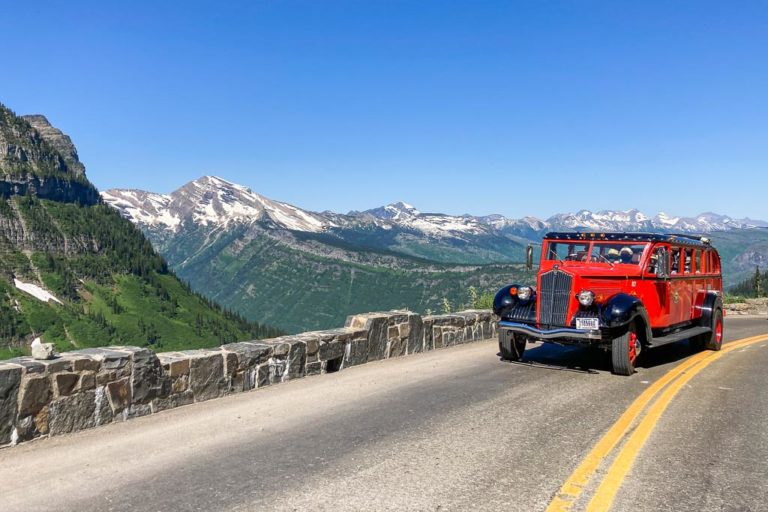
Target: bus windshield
613,253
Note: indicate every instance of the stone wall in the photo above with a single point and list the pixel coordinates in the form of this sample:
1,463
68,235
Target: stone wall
87,388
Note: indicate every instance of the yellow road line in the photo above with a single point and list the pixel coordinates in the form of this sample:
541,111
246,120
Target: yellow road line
606,492
578,480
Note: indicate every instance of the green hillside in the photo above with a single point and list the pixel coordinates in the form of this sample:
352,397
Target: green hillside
113,288
284,284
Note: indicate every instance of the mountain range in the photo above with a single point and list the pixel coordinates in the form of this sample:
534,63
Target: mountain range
254,254
211,200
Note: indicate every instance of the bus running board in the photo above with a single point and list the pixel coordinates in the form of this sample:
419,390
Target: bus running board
679,336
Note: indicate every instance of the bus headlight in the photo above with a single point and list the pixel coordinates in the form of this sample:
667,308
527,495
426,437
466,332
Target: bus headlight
586,297
524,292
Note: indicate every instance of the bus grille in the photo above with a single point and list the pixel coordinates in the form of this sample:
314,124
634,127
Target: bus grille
554,297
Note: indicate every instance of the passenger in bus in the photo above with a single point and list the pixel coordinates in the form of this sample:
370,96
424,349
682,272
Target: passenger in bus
626,255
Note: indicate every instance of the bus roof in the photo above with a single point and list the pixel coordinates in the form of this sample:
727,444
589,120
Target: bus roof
683,239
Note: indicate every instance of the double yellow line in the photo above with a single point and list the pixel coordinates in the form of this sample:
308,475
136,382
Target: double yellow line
606,491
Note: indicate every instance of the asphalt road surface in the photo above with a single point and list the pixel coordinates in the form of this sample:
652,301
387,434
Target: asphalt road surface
455,429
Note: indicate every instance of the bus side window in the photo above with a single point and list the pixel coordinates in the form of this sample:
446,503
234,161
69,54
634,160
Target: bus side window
699,269
653,264
675,260
715,263
688,260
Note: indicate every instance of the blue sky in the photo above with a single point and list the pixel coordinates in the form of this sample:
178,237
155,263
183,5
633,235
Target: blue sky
518,108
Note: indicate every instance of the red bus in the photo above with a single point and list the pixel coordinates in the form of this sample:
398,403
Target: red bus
624,292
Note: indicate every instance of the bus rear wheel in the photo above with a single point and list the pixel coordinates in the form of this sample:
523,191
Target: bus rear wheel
714,340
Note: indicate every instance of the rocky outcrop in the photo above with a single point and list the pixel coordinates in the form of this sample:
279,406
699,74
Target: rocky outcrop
58,141
92,387
748,307
53,188
38,159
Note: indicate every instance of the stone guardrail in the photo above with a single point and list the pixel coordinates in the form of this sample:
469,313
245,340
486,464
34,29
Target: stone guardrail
748,307
97,386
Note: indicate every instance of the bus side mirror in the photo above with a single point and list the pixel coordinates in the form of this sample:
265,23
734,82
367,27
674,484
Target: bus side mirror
663,265
529,257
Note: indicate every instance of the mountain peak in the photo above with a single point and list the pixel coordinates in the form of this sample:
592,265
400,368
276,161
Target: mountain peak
395,211
58,140
210,201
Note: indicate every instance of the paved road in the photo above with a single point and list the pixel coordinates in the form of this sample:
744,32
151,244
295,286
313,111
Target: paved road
455,429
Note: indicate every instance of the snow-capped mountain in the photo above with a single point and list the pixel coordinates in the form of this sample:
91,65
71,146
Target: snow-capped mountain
635,220
210,201
214,202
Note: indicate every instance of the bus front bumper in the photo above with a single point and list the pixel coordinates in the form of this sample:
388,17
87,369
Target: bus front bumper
550,334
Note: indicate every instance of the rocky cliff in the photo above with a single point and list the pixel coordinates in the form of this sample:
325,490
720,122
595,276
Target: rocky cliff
58,141
31,164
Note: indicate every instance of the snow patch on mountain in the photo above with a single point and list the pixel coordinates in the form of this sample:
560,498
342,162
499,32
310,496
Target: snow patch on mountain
37,292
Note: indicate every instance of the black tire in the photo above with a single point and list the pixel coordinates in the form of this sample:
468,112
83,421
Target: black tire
714,340
624,352
511,346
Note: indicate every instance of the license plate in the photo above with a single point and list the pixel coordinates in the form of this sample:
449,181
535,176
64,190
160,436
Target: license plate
587,324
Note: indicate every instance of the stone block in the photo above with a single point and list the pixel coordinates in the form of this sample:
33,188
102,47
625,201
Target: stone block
57,365
230,363
65,383
415,334
34,394
249,354
397,347
378,331
175,364
282,349
238,382
27,364
146,375
313,345
87,381
277,369
105,377
393,332
119,394
397,317
331,350
82,362
25,429
138,410
72,413
173,401
437,336
356,321
206,374
297,359
102,408
179,384
314,368
111,360
10,380
356,352
41,420
262,376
